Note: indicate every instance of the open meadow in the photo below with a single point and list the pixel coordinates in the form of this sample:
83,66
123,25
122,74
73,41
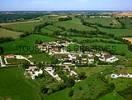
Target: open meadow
14,86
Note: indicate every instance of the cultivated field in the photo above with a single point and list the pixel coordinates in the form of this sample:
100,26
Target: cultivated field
129,14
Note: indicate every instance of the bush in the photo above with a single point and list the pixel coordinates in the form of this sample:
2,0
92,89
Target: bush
65,18
70,82
8,39
70,94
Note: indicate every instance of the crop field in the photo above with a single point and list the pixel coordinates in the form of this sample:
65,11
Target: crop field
7,33
22,27
106,22
14,86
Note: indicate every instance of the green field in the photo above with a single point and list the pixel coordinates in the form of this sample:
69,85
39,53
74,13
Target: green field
74,24
112,96
117,32
50,29
7,33
42,57
25,45
14,86
127,22
90,87
22,27
105,22
93,86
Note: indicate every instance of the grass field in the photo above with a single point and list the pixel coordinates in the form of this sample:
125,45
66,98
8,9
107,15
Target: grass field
117,48
23,27
90,87
50,29
112,96
42,57
113,45
117,32
106,22
25,45
93,39
127,22
7,33
74,24
14,86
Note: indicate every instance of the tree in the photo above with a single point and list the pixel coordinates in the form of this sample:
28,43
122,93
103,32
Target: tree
82,75
70,82
44,89
40,65
1,50
25,65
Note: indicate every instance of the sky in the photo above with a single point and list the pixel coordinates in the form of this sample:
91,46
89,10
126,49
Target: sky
51,5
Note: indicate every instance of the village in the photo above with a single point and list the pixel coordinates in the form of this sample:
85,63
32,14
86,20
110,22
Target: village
66,59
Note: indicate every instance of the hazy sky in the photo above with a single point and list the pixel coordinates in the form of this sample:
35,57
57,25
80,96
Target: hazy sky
65,5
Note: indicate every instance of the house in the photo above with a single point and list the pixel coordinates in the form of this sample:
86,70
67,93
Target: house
108,58
51,71
90,60
121,76
33,71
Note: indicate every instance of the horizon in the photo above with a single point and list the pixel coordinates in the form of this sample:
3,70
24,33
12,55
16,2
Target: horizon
63,5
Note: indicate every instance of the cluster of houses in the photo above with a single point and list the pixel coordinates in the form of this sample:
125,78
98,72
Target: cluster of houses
54,47
34,71
59,50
